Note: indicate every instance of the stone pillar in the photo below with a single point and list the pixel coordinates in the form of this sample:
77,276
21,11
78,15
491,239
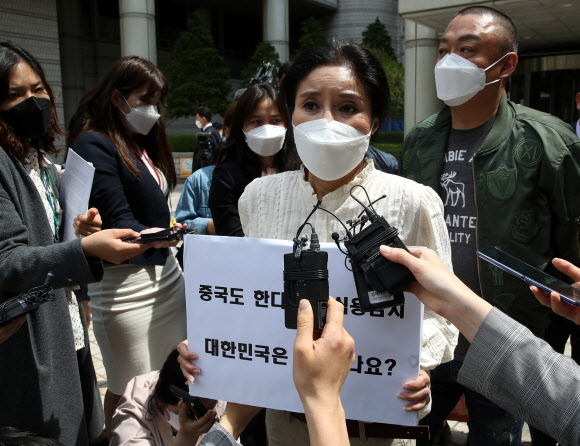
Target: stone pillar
275,25
71,55
138,37
421,46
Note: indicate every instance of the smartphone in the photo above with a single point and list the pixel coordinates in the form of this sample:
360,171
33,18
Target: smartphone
195,408
530,275
166,235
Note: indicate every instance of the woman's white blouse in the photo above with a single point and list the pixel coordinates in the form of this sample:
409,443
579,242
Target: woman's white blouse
275,206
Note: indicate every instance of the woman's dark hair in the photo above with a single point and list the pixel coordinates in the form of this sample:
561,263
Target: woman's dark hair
97,113
169,374
366,68
229,114
236,150
10,56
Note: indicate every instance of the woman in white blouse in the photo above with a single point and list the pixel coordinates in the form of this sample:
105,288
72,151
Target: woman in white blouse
337,95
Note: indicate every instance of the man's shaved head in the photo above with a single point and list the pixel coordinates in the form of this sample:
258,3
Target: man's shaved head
508,38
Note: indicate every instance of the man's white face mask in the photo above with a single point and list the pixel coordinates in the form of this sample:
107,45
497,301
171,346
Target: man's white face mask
457,79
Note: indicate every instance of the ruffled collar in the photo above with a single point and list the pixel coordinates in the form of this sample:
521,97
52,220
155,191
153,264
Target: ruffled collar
343,192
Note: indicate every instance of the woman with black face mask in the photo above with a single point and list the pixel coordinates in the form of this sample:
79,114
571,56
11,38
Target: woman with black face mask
47,379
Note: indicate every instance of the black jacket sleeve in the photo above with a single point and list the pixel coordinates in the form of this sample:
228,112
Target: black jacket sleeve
227,186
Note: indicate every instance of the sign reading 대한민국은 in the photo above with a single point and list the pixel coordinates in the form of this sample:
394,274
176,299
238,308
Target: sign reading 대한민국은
235,323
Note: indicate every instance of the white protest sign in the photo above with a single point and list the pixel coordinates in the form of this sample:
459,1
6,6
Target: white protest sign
235,323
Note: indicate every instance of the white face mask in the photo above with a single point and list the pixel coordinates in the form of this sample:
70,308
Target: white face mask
330,150
141,119
457,79
266,140
174,420
198,123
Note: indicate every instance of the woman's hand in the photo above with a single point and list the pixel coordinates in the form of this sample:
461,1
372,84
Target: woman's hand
10,328
185,357
88,224
435,284
321,365
417,392
189,429
211,228
440,290
107,245
553,300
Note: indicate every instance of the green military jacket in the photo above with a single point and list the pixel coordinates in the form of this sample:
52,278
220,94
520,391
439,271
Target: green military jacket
527,196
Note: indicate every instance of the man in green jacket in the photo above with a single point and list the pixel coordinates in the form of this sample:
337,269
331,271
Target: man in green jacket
508,176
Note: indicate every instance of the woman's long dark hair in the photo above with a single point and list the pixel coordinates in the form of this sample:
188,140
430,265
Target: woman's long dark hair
96,113
10,56
169,374
236,149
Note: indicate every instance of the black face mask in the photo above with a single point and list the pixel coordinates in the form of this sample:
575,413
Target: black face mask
30,118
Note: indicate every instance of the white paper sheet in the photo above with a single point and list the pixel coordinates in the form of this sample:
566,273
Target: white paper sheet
245,269
75,190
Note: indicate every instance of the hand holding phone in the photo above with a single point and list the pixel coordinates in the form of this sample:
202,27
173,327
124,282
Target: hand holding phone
553,300
531,275
195,408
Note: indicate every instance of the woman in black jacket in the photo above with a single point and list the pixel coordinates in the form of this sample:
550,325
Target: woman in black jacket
138,309
255,147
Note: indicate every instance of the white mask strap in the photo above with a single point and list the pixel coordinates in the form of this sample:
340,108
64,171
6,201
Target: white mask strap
496,62
130,108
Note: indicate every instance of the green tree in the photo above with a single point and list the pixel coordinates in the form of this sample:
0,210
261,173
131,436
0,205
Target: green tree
312,34
396,76
197,72
376,36
265,52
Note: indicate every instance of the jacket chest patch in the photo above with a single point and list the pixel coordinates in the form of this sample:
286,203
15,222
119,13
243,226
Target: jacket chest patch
501,182
524,225
529,152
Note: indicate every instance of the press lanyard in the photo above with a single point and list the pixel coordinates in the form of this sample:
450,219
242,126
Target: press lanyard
50,195
146,156
148,161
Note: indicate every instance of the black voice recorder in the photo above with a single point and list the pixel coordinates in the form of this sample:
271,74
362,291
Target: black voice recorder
306,277
27,302
379,282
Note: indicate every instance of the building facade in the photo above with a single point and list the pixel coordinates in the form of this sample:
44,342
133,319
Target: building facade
78,40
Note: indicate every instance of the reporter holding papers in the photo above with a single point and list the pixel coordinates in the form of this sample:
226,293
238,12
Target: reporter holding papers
47,376
506,363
